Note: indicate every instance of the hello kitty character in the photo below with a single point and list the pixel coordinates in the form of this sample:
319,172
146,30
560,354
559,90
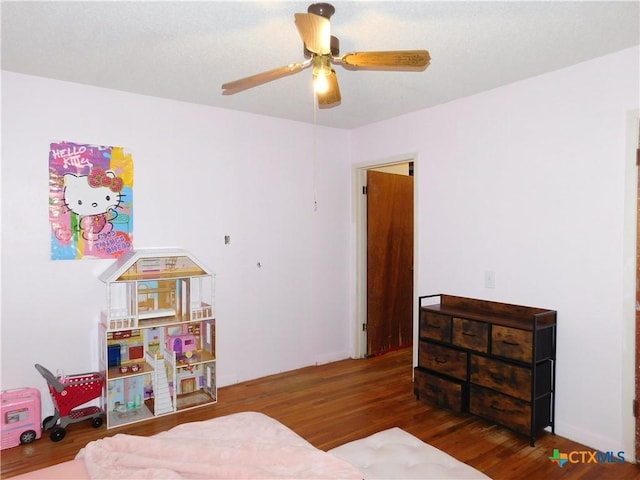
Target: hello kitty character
94,198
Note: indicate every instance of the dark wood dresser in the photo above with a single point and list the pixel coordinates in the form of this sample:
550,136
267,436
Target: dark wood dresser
491,359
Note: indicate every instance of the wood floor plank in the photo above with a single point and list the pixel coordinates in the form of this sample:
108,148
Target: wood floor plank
339,402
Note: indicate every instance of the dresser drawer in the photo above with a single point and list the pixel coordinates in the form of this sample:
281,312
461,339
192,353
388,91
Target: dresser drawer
443,360
500,376
445,393
471,334
435,326
511,343
508,411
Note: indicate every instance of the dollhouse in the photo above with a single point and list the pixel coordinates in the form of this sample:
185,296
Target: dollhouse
157,335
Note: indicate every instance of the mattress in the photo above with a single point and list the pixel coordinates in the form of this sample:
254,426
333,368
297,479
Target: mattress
396,454
73,469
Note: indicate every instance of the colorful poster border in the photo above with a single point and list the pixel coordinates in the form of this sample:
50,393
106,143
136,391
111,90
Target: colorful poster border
90,201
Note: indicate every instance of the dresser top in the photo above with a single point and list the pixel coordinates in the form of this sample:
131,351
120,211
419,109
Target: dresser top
517,316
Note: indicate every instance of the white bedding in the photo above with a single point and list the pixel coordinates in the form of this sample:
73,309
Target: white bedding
246,445
396,454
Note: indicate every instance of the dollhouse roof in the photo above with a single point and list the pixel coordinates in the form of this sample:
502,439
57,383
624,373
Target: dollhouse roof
154,263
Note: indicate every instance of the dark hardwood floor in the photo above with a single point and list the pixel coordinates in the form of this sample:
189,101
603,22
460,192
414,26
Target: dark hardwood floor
343,401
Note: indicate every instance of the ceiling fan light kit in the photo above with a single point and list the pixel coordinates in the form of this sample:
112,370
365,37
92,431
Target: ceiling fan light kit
321,70
321,50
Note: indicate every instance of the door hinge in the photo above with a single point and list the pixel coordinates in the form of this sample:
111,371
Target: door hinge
364,189
364,327
635,408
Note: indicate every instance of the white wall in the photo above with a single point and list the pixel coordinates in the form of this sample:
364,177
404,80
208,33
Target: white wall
200,173
529,181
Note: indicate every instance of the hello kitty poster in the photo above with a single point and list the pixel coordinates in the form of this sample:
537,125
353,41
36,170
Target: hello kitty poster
90,201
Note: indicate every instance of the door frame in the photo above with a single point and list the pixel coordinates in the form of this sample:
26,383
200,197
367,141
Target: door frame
631,322
359,176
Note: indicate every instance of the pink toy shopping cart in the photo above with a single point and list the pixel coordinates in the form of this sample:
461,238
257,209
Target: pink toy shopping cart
69,392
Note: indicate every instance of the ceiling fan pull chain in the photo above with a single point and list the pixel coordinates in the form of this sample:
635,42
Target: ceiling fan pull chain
315,152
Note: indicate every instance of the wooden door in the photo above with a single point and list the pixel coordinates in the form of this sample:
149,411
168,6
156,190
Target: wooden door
389,261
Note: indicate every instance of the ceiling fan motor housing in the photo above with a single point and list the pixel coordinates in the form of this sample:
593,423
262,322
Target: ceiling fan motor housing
322,9
325,10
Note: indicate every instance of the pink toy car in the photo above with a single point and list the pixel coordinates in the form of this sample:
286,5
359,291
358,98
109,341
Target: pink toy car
21,416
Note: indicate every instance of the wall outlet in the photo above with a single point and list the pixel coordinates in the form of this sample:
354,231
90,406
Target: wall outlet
489,279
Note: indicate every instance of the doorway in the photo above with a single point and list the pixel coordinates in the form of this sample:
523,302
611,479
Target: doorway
631,387
385,224
187,385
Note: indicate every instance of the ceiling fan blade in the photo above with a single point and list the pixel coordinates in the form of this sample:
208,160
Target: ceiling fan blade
389,60
332,96
254,80
315,32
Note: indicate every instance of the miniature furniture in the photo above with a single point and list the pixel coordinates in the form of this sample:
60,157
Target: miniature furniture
490,359
157,335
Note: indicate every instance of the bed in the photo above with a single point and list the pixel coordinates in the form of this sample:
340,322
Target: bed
251,445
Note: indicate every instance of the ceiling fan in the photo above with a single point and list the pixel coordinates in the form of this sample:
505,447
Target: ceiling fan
321,50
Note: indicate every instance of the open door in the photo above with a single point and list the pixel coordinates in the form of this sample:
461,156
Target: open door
389,261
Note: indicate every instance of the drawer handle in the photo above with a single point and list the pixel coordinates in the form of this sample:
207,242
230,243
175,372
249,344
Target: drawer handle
429,325
513,344
497,377
440,360
435,389
497,408
469,334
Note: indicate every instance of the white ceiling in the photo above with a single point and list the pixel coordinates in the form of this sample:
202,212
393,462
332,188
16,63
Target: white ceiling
185,50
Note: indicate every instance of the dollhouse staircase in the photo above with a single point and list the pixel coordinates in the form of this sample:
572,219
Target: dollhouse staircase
162,395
